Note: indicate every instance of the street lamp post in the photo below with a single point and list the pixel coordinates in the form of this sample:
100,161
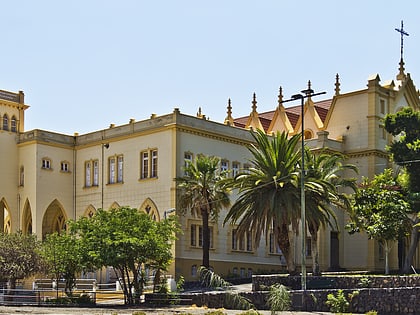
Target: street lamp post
304,94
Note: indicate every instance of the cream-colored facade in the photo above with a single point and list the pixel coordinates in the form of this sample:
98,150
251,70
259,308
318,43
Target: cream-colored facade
49,178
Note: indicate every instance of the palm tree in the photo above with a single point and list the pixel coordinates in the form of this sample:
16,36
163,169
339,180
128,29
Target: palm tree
323,192
201,193
269,195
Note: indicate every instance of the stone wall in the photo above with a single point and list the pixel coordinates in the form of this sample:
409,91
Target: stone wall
388,295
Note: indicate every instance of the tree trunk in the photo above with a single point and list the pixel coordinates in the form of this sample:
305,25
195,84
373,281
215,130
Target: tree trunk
387,250
206,238
283,240
315,253
414,239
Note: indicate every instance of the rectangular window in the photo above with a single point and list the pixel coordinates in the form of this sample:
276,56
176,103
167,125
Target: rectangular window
235,168
145,164
96,173
46,163
154,163
115,169
249,242
234,240
88,174
111,179
149,164
193,235
246,168
120,169
188,157
382,106
65,167
274,247
196,235
243,243
224,165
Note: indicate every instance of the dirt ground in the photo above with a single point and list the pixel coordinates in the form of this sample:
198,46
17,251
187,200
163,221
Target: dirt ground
34,310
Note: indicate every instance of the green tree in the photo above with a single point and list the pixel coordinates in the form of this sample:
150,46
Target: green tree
63,255
405,151
128,241
19,257
201,193
324,191
381,210
269,193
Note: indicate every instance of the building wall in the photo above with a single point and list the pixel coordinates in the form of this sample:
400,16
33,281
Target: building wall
353,127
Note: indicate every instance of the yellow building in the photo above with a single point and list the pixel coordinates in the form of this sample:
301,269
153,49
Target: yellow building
49,178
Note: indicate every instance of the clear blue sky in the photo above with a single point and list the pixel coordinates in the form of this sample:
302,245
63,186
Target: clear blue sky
84,64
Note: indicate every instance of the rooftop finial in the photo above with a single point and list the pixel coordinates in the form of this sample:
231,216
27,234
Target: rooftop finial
199,114
337,84
229,118
280,96
401,74
254,103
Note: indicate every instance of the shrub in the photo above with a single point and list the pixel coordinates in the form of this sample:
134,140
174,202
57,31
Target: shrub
372,313
338,303
278,298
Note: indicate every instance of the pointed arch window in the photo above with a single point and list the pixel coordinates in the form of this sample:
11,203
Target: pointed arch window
5,122
13,124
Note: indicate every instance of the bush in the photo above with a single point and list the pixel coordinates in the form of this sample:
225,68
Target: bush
278,298
338,303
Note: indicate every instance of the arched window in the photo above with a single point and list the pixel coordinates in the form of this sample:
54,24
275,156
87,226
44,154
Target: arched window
5,122
13,124
308,134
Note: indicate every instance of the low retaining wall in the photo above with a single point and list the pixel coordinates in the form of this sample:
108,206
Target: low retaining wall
388,295
385,301
263,282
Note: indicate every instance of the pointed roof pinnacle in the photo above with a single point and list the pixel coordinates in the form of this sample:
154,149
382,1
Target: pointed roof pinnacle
309,90
229,118
280,101
401,74
254,103
337,84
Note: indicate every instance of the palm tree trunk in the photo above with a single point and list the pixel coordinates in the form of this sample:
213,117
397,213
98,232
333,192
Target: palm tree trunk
315,253
285,245
206,238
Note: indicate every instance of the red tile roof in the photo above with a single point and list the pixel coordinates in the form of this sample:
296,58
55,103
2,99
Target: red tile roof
293,113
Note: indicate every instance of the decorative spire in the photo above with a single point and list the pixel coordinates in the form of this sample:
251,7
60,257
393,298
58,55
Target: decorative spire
199,114
254,103
401,74
229,118
309,90
280,96
337,84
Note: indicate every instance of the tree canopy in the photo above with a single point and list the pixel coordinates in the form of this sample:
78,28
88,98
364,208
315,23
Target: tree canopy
381,210
129,241
404,125
201,191
63,254
19,257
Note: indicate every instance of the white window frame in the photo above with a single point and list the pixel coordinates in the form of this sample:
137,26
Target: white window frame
46,163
